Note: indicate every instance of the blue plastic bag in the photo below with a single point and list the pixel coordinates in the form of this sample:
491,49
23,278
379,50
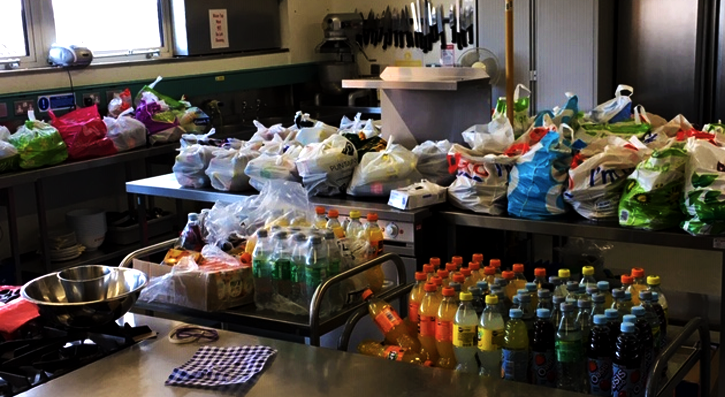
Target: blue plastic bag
538,179
563,115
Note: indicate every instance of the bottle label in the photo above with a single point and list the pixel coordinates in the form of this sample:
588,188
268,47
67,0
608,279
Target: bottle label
569,351
413,307
626,382
333,268
514,364
543,368
394,353
297,272
427,326
444,331
464,336
490,339
600,376
281,269
314,277
387,320
258,265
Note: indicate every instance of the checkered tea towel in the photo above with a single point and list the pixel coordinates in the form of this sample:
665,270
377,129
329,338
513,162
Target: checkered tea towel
221,366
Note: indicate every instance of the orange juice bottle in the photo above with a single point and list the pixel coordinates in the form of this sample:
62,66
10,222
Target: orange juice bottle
510,288
478,258
476,273
458,261
439,286
451,267
436,262
427,330
459,278
469,280
444,275
394,353
519,278
496,264
444,329
390,323
639,283
489,275
415,298
374,234
429,270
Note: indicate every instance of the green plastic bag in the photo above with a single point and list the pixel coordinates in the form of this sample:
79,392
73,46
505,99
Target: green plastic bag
653,192
704,188
522,121
39,144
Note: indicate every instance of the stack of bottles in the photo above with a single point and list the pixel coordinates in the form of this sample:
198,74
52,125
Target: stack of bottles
580,336
290,263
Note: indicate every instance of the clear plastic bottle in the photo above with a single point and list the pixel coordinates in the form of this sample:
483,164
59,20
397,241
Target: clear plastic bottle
588,279
477,302
332,220
543,354
603,287
540,277
457,289
556,312
468,281
390,323
572,291
459,278
316,264
531,288
281,263
597,304
320,218
415,298
490,338
564,278
263,290
511,287
444,329
500,307
618,304
429,271
496,264
599,358
645,299
445,276
354,227
374,235
584,317
591,291
394,353
475,268
464,335
639,283
298,270
190,238
439,286
653,282
569,352
544,300
663,319
515,352
554,284
485,289
489,275
519,278
338,292
528,311
627,281
427,313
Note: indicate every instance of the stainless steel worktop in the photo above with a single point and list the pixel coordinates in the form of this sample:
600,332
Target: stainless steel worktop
297,370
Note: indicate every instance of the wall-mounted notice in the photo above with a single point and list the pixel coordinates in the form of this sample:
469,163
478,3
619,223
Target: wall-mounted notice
219,28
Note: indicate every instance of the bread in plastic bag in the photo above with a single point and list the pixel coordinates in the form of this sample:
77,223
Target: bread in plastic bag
9,158
125,132
226,169
326,167
39,144
433,161
614,110
191,164
704,188
651,198
522,102
380,172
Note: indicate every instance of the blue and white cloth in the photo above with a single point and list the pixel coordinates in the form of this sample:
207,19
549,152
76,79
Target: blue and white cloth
221,366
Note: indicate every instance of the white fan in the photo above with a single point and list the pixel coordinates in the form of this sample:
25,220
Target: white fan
483,58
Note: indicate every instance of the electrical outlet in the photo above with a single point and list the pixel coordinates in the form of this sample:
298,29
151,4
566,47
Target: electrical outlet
3,110
91,98
20,108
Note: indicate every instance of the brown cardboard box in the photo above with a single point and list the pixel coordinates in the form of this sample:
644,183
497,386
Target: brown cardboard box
690,385
212,291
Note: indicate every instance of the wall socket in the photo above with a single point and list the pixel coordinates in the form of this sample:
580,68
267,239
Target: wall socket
20,108
91,98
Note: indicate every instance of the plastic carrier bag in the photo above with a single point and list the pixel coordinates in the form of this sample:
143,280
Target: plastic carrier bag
191,164
84,133
522,103
357,126
277,164
614,110
125,132
159,113
326,167
481,180
38,144
120,103
380,172
538,178
597,176
8,153
651,198
226,169
704,188
433,161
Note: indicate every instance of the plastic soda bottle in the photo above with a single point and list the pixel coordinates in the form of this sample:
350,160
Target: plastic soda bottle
452,268
477,258
564,278
556,312
588,279
429,270
496,264
645,299
597,304
415,298
334,267
626,363
465,334
623,307
554,283
510,284
639,283
590,291
603,287
444,275
569,351
281,263
477,302
332,219
427,313
489,275
528,310
501,306
374,234
646,342
390,323
436,262
515,352
540,277
439,286
543,357
320,218
354,227
614,323
490,338
458,277
519,278
476,274
469,281
390,352
572,291
458,261
627,281
444,329
531,288
584,317
456,289
663,319
297,271
653,282
261,269
599,358
544,300
485,289
316,264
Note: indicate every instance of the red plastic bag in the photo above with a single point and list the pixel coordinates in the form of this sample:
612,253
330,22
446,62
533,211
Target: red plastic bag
15,314
84,132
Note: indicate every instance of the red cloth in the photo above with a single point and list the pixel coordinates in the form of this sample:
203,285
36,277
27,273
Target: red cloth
84,132
15,314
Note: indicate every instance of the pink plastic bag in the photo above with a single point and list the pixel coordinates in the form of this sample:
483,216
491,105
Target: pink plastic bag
84,132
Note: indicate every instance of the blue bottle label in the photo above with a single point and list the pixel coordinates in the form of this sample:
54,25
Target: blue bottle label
600,376
626,382
543,368
514,364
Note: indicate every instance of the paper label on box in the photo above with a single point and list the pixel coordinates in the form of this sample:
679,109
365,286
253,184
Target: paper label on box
219,28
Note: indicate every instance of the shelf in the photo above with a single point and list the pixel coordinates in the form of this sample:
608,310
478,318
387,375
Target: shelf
421,79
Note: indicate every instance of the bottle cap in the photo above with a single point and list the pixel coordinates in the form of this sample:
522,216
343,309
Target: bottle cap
638,311
435,261
603,285
515,300
637,272
645,295
598,298
328,235
626,279
611,314
451,267
540,272
367,294
554,280
655,296
491,299
531,287
478,258
466,272
588,270
489,270
627,328
627,295
617,293
572,286
428,268
508,275
543,293
482,285
448,291
459,277
566,307
456,286
516,313
543,313
524,296
474,266
437,280
630,318
500,281
653,280
475,291
299,237
430,287
313,239
592,290
333,213
584,303
421,276
372,217
465,296
582,289
320,210
494,263
354,214
518,268
458,260
442,273
261,233
564,273
600,319
558,299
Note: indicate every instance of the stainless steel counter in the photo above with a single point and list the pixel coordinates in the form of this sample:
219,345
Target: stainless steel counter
297,370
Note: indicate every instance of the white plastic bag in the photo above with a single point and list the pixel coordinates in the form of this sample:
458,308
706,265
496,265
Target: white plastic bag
226,169
358,126
614,110
494,137
273,166
125,131
481,180
316,134
264,134
191,164
326,167
380,172
433,161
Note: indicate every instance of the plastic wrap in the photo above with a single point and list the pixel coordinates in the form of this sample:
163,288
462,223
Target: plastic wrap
226,169
191,164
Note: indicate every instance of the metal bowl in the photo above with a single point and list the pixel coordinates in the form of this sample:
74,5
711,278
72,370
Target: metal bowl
123,288
85,283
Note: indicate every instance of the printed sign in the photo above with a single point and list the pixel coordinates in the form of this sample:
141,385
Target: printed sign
219,28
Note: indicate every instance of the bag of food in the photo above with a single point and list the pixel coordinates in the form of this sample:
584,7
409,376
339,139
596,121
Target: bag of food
433,161
614,110
522,102
191,164
120,103
363,128
271,166
84,132
125,132
9,158
481,180
38,144
597,176
326,167
704,187
365,145
160,122
226,169
567,114
194,121
380,172
538,178
651,198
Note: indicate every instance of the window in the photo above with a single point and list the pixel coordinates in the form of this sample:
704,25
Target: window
12,29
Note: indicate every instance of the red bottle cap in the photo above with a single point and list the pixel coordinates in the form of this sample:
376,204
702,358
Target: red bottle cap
451,267
372,217
333,214
637,272
421,276
435,261
508,274
368,293
457,260
626,279
495,263
320,210
459,277
448,291
430,287
477,258
518,268
437,280
428,268
466,272
474,265
442,273
540,272
489,270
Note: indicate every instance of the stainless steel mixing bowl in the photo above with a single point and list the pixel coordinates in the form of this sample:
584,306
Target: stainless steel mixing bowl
123,288
85,283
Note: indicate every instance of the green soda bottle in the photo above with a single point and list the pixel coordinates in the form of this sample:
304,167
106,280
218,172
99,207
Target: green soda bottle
316,264
281,264
261,270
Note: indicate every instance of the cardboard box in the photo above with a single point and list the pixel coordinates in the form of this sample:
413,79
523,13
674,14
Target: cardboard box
417,195
212,291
